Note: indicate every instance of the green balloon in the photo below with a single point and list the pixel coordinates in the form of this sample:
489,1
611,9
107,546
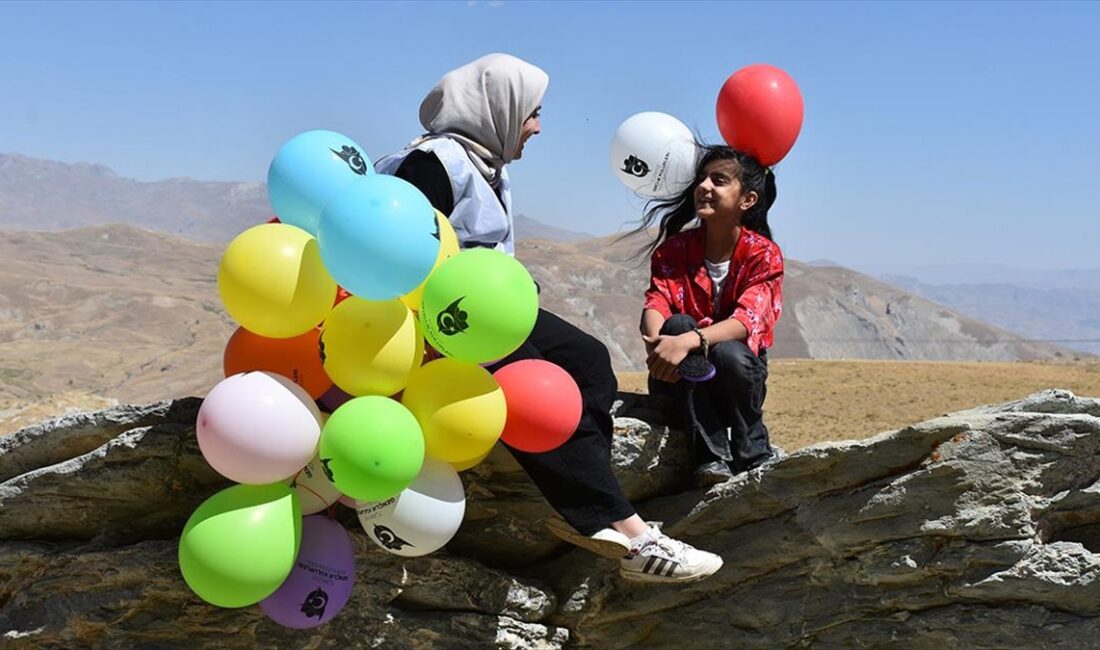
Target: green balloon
479,306
241,543
372,448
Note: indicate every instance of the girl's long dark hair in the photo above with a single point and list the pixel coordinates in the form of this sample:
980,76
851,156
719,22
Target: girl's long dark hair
672,214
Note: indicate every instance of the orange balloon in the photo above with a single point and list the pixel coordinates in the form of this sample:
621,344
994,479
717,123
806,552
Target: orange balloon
297,358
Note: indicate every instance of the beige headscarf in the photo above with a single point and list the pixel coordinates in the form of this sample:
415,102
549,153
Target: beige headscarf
483,106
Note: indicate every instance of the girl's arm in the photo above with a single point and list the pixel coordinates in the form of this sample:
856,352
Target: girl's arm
758,307
652,321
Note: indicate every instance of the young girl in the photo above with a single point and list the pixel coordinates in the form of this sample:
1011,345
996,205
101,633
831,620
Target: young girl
710,311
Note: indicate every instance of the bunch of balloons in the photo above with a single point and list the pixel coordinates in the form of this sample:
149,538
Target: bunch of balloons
759,112
341,295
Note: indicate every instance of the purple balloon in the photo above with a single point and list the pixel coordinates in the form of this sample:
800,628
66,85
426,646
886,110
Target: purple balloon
320,583
333,399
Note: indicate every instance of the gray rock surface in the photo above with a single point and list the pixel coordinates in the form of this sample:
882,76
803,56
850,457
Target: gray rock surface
977,529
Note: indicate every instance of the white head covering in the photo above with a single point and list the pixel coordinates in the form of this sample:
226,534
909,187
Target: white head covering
483,106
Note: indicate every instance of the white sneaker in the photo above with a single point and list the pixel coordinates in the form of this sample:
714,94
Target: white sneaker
660,558
608,542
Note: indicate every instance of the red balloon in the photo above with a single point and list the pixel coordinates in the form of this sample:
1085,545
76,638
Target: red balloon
760,112
544,405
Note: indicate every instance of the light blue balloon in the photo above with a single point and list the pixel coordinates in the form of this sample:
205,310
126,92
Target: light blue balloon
378,238
309,171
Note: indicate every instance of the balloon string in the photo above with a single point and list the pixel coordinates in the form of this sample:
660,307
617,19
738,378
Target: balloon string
331,507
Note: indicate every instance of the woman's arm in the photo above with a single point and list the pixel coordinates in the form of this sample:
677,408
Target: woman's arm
424,170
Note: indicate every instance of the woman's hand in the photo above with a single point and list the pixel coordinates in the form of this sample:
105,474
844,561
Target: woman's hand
666,353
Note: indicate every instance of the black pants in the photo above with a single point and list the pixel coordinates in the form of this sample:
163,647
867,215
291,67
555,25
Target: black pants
724,414
576,477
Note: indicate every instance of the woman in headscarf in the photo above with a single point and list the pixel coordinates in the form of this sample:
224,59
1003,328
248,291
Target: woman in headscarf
478,119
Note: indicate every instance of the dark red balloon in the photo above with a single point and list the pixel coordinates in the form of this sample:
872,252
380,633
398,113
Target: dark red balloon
544,405
760,112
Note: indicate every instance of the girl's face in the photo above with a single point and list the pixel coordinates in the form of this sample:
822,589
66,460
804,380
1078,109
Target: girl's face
719,194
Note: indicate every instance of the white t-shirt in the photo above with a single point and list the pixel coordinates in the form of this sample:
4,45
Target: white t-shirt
718,273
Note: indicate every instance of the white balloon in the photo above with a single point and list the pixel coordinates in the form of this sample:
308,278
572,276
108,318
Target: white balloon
423,517
315,491
653,154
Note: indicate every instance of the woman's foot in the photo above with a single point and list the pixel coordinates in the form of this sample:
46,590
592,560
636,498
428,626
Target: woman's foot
657,558
712,473
608,542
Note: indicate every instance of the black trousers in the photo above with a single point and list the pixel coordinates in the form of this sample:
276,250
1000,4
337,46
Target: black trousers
724,414
576,478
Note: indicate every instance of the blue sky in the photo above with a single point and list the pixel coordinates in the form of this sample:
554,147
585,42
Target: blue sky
934,132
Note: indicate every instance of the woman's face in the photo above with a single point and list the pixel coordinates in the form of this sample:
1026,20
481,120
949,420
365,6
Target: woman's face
719,194
531,126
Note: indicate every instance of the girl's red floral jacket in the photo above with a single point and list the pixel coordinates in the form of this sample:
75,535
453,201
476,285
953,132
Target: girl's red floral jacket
753,293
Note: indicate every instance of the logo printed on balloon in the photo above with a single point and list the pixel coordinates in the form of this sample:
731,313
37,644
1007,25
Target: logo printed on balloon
326,469
389,539
436,233
353,158
452,320
315,603
635,166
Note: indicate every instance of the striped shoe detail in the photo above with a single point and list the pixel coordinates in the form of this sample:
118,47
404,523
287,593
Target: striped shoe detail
660,566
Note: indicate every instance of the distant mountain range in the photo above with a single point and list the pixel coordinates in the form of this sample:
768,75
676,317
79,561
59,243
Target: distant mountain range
46,195
77,288
1059,306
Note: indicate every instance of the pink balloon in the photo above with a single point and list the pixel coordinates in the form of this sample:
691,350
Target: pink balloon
258,427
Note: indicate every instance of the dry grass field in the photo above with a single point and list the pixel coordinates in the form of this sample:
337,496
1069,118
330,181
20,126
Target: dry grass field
812,401
808,400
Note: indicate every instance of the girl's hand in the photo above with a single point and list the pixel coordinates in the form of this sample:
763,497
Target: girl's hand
666,353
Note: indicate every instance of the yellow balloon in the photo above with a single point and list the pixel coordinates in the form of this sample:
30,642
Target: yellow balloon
272,281
369,347
448,246
460,408
462,466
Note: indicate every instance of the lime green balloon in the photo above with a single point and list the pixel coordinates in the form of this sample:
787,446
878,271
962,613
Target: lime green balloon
241,543
372,448
479,306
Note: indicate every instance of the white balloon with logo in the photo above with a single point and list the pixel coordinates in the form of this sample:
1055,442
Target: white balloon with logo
315,491
423,517
653,154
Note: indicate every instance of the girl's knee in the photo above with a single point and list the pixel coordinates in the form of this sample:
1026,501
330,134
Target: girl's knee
736,358
678,324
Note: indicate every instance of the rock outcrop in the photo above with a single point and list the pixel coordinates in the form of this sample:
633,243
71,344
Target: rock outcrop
975,529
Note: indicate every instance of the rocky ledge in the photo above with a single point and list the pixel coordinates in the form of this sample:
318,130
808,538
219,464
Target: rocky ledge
976,529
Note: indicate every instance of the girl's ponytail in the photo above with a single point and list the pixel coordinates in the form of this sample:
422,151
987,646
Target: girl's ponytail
756,219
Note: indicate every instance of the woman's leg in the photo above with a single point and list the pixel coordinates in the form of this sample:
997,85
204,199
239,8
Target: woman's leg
576,478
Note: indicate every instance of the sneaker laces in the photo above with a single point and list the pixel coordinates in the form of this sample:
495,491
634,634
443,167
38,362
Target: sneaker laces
664,546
